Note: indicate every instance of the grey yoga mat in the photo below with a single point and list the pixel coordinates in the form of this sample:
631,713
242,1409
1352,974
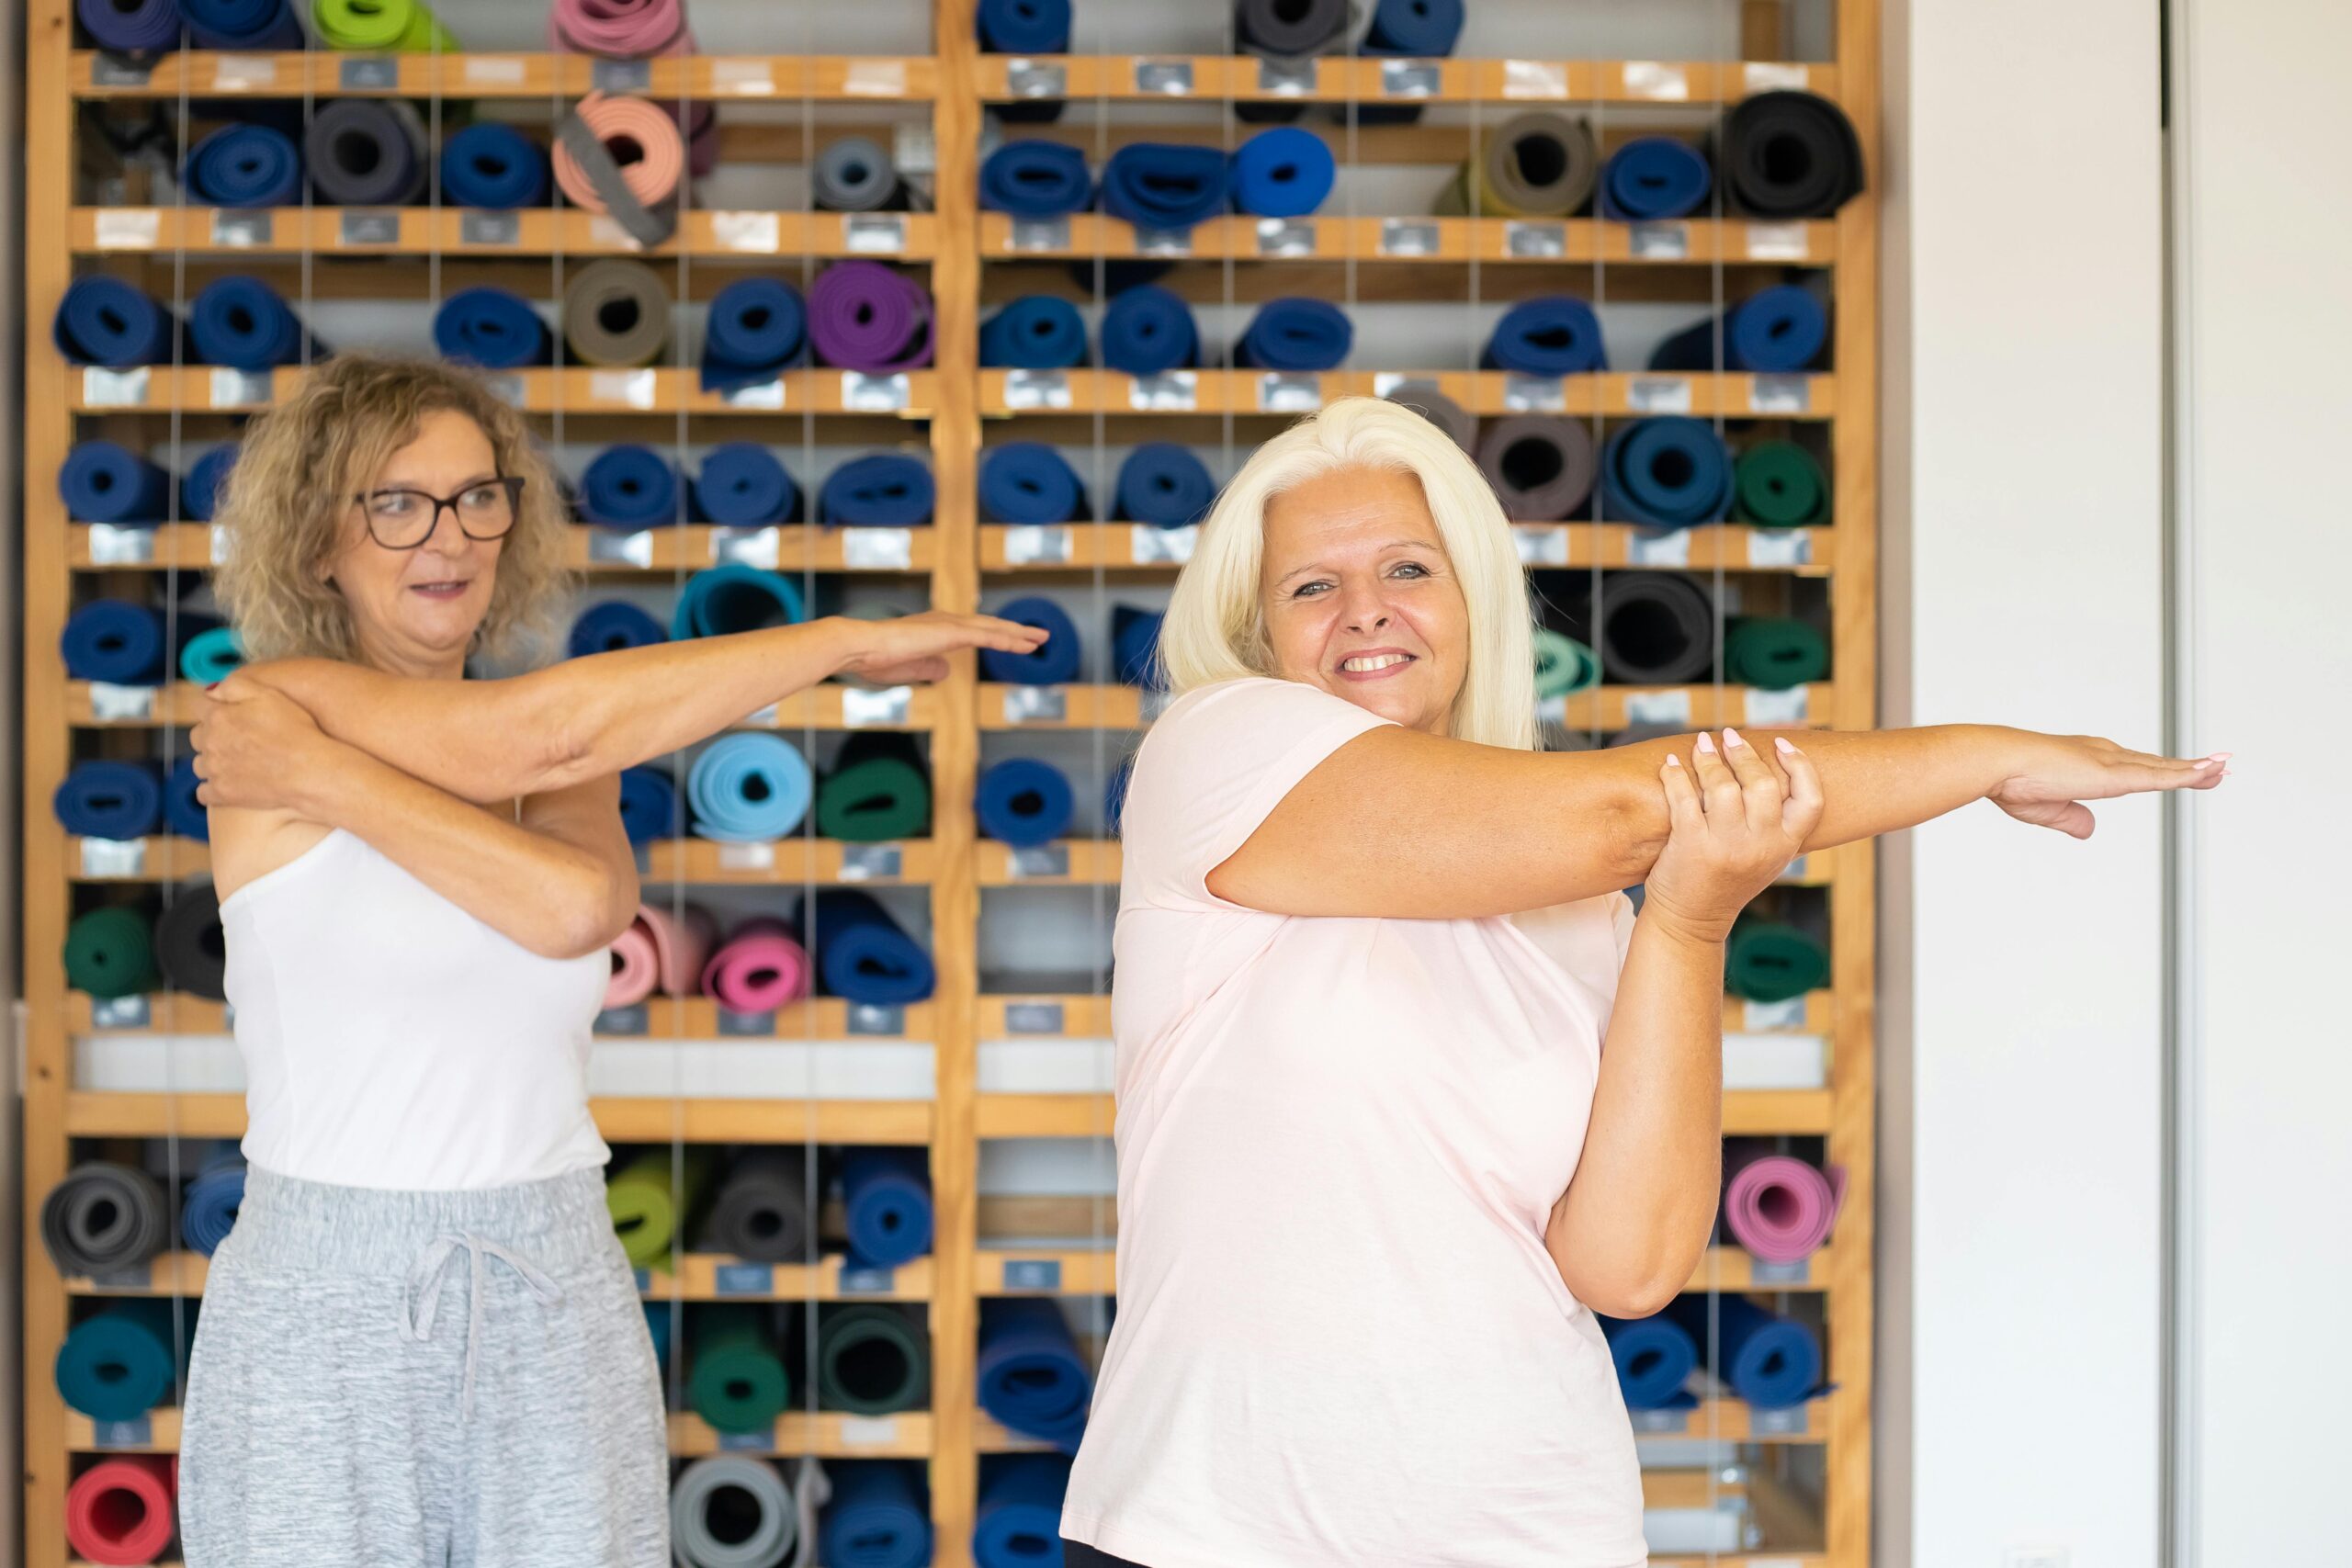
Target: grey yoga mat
615,312
1424,399
1537,165
855,175
732,1511
1655,628
104,1218
1541,466
762,1209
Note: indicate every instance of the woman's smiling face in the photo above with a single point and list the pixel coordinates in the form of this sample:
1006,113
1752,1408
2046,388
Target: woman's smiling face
1359,598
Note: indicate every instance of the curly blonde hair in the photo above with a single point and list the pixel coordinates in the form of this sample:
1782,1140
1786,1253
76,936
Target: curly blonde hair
287,505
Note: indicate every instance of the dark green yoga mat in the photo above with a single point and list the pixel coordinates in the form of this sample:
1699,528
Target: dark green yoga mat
110,952
1777,484
649,1208
1766,961
1773,652
872,1360
876,791
738,1382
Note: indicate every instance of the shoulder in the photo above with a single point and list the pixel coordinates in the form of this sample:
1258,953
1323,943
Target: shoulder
248,845
1258,707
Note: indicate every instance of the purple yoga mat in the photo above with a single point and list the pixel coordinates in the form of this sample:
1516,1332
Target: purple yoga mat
863,316
1777,1206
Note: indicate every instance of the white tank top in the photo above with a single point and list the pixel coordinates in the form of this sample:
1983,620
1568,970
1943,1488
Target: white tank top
391,1040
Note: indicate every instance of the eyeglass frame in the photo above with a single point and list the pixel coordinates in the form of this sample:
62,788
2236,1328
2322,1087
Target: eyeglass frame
512,484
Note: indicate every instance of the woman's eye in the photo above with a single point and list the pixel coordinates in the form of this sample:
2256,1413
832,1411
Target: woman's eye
479,496
1414,568
391,503
1306,590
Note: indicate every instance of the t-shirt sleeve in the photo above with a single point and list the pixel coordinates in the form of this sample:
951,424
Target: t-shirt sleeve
1213,767
1622,919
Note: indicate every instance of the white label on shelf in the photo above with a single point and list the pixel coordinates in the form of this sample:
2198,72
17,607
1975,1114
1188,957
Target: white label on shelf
864,393
1169,242
1533,394
1037,545
243,73
608,548
1773,75
1552,710
509,388
110,703
1658,242
747,78
1659,549
875,79
1763,1272
1286,236
108,70
113,857
878,549
635,1019
242,230
482,226
913,149
874,234
1526,239
1766,1017
366,226
124,1013
1656,79
238,388
1286,78
1788,1422
747,547
1776,241
1777,707
1038,860
128,228
1172,78
1408,237
1794,872
1035,78
767,396
1035,704
1408,78
1779,546
1160,546
757,232
1033,1018
105,388
873,1018
1037,234
871,862
111,544
1541,544
1671,705
1535,79
867,708
218,544
1287,391
863,1431
1780,394
604,231
747,857
620,75
368,73
493,70
1384,382
1176,390
759,719
1659,394
629,388
1030,389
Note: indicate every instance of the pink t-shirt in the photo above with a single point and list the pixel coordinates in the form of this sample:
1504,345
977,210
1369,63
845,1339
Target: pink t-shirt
1339,1340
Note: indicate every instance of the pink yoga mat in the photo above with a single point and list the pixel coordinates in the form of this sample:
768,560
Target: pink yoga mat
760,967
658,953
619,30
1777,1206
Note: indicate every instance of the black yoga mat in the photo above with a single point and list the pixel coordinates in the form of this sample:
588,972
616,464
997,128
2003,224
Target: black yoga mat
1790,154
1289,29
855,175
189,943
1424,399
104,1218
762,1209
1656,628
1541,466
871,1361
366,153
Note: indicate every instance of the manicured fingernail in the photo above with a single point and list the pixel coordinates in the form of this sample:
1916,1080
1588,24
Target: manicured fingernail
1706,743
1781,744
1672,760
2220,756
1731,737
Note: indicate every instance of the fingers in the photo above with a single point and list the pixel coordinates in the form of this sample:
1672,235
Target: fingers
1683,813
1801,812
1719,788
1758,785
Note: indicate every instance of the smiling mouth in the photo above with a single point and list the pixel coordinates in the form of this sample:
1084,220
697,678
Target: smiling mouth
1373,663
441,590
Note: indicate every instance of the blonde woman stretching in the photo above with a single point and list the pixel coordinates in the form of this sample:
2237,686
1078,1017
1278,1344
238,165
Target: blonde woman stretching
1406,1092
422,1343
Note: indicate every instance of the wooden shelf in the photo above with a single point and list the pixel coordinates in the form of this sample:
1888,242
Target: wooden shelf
181,703
580,389
158,858
1340,79
161,1434
1014,1270
1065,863
787,862
703,1277
707,235
1491,242
680,1019
91,1113
1075,706
210,73
1044,1016
1735,547
1081,706
600,552
827,1433
1794,1111
1734,1421
1736,395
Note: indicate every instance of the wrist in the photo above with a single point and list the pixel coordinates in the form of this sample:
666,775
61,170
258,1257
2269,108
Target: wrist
1699,935
1998,753
838,637
320,782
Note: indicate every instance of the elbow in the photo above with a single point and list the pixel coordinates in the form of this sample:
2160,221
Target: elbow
586,918
1630,1299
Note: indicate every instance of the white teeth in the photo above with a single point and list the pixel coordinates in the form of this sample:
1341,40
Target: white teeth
1378,662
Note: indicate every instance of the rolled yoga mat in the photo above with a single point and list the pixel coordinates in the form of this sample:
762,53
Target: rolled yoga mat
1289,29
732,1511
376,26
491,164
209,1211
612,626
115,641
762,1210
649,1201
755,329
1165,485
644,144
619,30
748,788
877,792
366,153
1655,1357
102,799
1652,178
1024,27
1023,802
629,488
200,490
1019,1522
1035,180
183,813
1782,328
1036,332
1773,652
1771,1361
242,323
1656,628
1789,155
1563,665
734,598
1295,334
660,952
104,1217
886,1198
1777,1206
1052,664
1028,482
1537,165
131,26
1135,647
649,805
243,24
211,655
101,481
189,946
760,967
882,490
1667,471
1778,484
615,312
110,952
876,1518
119,1364
104,321
1282,172
244,165
1114,795
863,316
1030,1376
1768,962
736,1382
861,955
871,1361
492,328
1541,466
658,1328
1424,399
741,485
1554,335
855,175
1164,185
1146,330
119,1510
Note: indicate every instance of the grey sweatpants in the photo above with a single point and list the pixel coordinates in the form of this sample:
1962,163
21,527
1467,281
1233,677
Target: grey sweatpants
423,1380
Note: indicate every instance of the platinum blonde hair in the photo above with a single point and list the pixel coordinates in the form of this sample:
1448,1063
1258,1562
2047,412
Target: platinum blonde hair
1215,629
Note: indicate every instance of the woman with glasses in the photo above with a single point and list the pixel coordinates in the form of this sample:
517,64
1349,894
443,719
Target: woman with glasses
422,1343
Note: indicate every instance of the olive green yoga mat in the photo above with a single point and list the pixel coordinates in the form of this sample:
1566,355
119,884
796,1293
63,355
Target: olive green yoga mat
1777,484
1773,652
371,26
738,1382
1538,165
648,1205
1765,962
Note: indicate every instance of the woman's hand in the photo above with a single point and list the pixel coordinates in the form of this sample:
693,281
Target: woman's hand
2058,773
256,749
1731,830
908,648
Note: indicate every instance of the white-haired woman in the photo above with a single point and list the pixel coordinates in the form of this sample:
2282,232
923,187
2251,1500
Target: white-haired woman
1405,1091
422,1342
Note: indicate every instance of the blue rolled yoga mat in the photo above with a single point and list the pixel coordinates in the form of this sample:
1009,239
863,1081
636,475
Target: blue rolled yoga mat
104,321
119,1364
876,1518
1019,1523
493,165
1668,472
1295,334
1418,28
734,598
131,26
210,1210
101,481
1165,485
1282,172
1159,185
494,328
1030,1376
629,486
885,1198
1554,335
110,800
748,788
183,814
1023,802
1771,1361
1652,178
1036,332
1655,1358
1134,646
614,625
882,490
1114,795
756,328
1778,329
1029,482
243,24
1053,664
240,322
861,955
1035,180
210,655
649,805
116,641
741,485
1024,27
201,491
244,165
1148,330
657,1329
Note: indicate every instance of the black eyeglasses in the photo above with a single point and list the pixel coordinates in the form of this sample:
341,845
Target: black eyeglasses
405,519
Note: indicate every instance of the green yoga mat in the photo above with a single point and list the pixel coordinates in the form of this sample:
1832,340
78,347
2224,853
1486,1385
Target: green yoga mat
1563,665
1777,484
1766,961
371,26
738,1382
876,791
871,1361
110,952
1773,652
647,1209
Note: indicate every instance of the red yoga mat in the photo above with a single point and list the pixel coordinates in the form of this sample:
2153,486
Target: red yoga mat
1777,1206
119,1511
761,966
658,953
